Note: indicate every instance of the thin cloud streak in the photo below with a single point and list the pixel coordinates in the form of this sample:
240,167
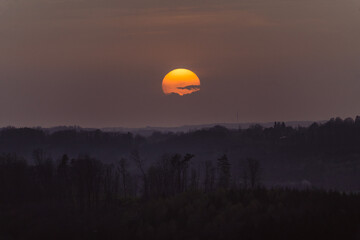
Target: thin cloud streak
191,87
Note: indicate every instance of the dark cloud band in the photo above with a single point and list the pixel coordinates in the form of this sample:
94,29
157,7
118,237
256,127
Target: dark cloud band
190,87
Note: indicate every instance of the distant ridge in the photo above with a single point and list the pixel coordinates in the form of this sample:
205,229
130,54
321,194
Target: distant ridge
146,131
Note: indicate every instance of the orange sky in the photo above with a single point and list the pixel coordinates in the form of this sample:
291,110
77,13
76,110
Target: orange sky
100,63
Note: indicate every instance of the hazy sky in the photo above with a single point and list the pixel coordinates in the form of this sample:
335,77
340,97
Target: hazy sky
98,63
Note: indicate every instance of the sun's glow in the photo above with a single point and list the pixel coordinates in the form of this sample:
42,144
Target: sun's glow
180,81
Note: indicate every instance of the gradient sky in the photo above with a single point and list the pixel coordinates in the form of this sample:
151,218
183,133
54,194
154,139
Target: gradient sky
100,63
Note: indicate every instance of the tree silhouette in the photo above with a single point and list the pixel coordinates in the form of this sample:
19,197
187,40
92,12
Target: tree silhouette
135,156
209,180
224,172
253,171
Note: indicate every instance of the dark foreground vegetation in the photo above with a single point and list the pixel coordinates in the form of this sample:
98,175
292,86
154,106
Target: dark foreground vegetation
135,187
84,198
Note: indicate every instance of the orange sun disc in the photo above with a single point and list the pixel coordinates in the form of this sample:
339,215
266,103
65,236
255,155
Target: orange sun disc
180,81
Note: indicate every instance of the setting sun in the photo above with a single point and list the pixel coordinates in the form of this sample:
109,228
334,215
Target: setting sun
180,81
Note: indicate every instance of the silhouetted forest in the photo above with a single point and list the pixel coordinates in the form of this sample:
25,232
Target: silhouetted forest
84,198
213,183
324,155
